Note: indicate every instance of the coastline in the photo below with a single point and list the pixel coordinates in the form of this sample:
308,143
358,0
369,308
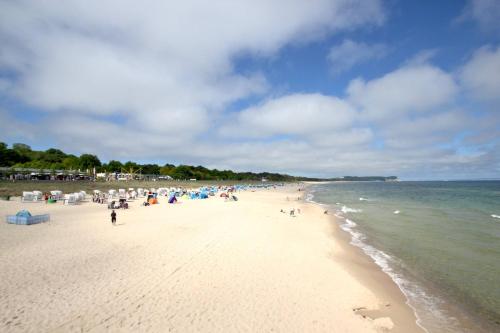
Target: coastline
200,265
436,309
362,267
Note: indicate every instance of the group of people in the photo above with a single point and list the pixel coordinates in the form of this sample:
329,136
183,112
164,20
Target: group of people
99,198
292,211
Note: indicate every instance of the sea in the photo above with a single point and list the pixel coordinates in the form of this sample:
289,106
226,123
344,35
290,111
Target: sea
438,240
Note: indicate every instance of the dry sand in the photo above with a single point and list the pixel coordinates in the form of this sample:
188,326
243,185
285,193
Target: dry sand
200,265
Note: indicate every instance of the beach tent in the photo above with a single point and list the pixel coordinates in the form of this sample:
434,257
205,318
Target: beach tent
140,192
203,195
112,193
25,218
122,193
172,200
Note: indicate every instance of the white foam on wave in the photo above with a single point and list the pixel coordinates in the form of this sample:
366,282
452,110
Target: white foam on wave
396,212
412,291
495,216
363,199
416,297
310,198
346,209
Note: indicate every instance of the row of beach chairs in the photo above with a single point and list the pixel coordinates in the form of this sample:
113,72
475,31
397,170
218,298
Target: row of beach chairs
35,196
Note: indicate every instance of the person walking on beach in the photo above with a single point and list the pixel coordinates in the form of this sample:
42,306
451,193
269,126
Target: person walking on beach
113,217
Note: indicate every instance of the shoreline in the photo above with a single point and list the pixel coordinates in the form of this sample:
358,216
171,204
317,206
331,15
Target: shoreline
456,316
362,267
203,265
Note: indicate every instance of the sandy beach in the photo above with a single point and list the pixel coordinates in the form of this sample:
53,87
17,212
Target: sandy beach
199,265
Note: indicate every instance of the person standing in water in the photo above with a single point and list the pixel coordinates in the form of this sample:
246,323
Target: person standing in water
113,217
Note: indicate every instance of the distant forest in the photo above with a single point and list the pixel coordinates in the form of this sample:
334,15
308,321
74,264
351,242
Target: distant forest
21,155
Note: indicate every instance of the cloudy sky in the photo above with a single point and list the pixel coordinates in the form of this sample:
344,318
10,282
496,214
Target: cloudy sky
315,88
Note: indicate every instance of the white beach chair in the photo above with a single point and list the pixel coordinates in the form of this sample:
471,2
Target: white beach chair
27,197
83,195
37,195
57,195
69,199
78,196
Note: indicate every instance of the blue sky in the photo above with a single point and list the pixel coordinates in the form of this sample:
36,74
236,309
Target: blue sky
325,88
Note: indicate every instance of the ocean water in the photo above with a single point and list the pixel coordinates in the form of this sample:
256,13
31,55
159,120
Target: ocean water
439,241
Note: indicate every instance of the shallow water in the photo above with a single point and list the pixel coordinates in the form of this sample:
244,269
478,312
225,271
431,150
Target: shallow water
440,241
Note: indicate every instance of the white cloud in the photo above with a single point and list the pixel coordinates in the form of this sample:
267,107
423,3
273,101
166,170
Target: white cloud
427,131
485,12
410,89
152,81
297,114
480,76
167,66
350,53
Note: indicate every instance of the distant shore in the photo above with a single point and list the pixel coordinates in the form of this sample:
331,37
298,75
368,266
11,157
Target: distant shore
205,265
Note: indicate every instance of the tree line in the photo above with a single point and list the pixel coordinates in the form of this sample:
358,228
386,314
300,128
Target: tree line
21,155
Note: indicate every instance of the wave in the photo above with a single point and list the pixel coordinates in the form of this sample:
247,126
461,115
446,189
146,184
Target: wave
415,295
363,199
495,216
396,212
346,209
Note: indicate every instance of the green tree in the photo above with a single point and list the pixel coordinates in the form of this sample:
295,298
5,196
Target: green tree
150,169
71,162
114,166
128,166
53,156
183,172
167,169
21,148
10,157
88,162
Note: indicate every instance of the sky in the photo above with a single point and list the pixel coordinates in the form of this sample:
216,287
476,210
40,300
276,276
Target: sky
321,88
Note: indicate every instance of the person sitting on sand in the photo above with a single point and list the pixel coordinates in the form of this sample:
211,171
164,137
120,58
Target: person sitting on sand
113,217
292,212
325,212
